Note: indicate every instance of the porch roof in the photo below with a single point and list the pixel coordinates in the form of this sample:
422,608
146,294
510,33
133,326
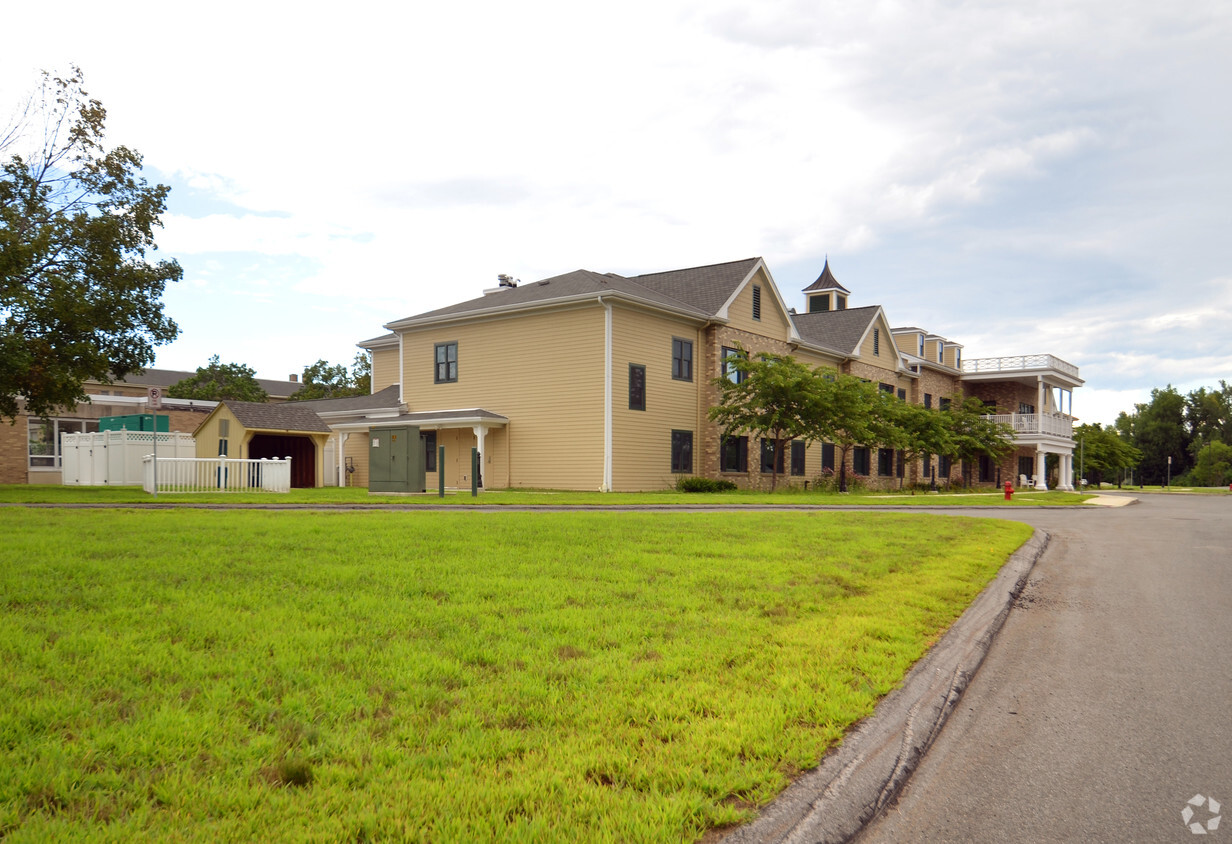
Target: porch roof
460,418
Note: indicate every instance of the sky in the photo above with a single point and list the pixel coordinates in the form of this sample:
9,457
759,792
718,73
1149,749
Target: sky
1020,177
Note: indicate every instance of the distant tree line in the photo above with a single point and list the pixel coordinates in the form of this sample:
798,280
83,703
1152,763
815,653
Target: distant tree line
1195,430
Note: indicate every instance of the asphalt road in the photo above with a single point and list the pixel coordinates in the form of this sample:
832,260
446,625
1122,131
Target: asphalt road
1105,703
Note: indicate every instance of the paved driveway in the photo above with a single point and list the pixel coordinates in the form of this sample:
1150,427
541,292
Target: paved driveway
1106,702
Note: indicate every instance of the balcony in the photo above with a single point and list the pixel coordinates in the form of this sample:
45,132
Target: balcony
1037,424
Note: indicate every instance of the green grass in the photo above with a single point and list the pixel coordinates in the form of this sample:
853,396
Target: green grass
221,676
47,494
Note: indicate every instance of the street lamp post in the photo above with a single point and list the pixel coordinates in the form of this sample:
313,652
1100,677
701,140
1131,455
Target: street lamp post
1169,471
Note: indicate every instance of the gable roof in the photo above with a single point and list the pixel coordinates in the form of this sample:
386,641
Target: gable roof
288,416
838,330
385,398
826,281
706,288
698,292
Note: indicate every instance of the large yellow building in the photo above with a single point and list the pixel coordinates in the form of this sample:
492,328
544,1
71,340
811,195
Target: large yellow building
598,381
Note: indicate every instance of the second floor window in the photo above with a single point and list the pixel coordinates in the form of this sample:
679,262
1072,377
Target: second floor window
637,387
682,359
446,362
727,370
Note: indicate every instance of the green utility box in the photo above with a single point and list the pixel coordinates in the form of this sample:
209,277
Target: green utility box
396,460
135,422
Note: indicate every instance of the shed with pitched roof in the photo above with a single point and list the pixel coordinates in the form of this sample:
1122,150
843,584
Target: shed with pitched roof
254,430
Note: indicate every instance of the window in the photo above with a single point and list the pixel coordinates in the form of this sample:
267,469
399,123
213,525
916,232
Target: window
446,363
45,439
827,456
886,388
921,336
958,358
945,404
940,352
726,370
771,458
943,468
682,451
987,470
756,302
734,454
797,457
900,468
842,302
902,394
885,462
859,460
877,341
682,359
637,387
819,304
1026,466
1023,407
928,465
429,441
928,401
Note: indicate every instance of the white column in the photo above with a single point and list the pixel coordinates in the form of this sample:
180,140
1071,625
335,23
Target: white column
342,475
480,432
1041,470
1066,481
1039,405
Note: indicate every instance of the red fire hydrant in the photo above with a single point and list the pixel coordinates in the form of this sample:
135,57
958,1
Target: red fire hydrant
1009,491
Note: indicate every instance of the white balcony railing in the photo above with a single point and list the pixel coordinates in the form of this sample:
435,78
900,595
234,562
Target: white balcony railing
1054,424
1018,363
216,474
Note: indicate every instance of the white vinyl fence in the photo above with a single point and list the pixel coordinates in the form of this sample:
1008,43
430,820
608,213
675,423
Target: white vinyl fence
216,474
113,458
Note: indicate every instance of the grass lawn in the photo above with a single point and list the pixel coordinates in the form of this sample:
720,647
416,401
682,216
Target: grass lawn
193,675
48,494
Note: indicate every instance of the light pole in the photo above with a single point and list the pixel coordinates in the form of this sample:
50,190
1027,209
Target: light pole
1169,471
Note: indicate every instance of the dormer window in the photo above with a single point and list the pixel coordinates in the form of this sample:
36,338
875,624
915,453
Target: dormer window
921,345
940,352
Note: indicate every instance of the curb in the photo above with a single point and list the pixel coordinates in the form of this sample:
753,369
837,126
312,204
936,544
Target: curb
861,776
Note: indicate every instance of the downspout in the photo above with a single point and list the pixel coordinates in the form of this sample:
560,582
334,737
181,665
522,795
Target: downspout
607,396
402,372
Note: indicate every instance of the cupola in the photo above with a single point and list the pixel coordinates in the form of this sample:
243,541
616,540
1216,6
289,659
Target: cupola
826,294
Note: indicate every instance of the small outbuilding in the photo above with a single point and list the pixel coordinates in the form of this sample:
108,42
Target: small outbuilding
254,430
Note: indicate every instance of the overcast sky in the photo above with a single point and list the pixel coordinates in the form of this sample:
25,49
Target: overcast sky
1020,177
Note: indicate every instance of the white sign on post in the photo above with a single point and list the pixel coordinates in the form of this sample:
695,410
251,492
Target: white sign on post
154,398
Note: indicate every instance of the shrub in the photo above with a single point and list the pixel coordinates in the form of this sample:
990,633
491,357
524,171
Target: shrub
691,484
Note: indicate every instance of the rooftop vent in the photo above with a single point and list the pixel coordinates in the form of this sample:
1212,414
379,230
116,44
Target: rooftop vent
507,280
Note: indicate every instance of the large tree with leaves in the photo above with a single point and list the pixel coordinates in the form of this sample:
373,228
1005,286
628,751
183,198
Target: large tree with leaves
770,396
1104,454
325,380
973,433
79,300
219,381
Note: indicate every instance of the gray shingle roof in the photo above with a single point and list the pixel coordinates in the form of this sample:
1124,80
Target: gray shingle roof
289,416
838,330
387,397
167,377
698,291
705,288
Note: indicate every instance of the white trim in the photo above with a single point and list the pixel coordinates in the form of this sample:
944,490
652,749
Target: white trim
722,314
607,396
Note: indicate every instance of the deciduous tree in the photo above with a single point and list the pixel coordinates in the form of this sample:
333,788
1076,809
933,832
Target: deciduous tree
79,300
219,381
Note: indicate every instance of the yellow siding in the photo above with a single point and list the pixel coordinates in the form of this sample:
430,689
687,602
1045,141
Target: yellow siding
356,448
641,439
773,322
207,436
542,371
384,368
